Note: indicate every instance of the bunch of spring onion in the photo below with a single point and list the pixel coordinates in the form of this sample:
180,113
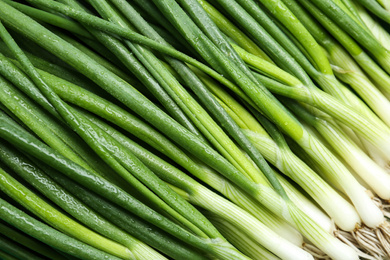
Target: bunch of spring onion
231,129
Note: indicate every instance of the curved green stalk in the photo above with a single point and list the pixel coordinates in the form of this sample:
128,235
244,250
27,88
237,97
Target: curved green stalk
110,80
301,34
58,220
141,130
53,19
29,242
201,196
377,74
380,77
109,27
6,256
316,97
377,9
356,31
213,56
278,153
129,223
140,71
122,163
208,101
385,4
54,134
48,235
246,223
351,73
228,28
17,136
327,81
247,14
66,201
197,114
374,26
16,250
125,94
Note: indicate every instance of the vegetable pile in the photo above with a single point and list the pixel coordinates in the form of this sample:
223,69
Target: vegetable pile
187,129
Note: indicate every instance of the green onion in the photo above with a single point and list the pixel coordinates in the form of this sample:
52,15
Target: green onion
141,130
376,177
57,219
121,162
203,197
278,153
6,256
54,159
377,9
12,248
29,242
355,30
71,205
48,235
209,102
240,240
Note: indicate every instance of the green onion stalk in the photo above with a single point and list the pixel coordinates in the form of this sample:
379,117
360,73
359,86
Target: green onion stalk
234,33
355,30
36,177
374,26
353,226
375,244
177,24
337,54
340,90
55,134
66,201
133,36
377,179
297,202
380,33
57,219
377,74
61,86
322,73
315,63
228,28
29,242
277,152
197,114
385,4
201,196
351,74
24,222
266,145
295,198
34,147
254,190
293,88
240,239
16,250
122,163
134,126
147,158
136,67
359,103
377,8
7,256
